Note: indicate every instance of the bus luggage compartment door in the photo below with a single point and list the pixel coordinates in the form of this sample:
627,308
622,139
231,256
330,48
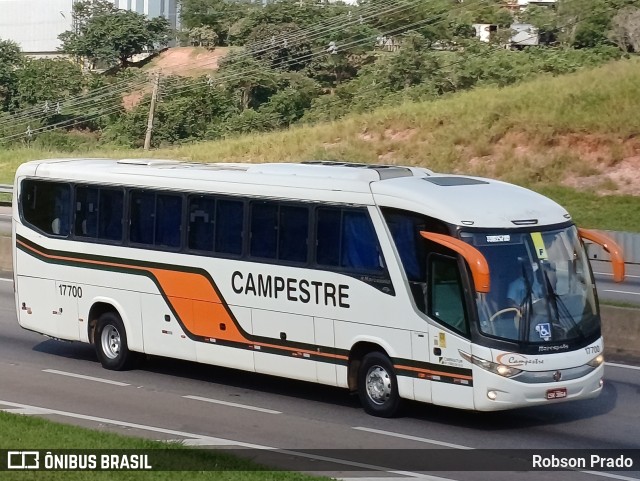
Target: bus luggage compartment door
283,340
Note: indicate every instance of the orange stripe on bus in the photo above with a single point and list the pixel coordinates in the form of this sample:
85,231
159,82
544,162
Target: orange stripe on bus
191,295
436,373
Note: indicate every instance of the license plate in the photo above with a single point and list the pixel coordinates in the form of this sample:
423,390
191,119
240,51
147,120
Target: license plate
559,393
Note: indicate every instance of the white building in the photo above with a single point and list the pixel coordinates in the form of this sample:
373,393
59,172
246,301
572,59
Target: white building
36,24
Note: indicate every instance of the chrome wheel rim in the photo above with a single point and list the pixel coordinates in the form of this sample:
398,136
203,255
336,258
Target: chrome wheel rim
378,384
110,342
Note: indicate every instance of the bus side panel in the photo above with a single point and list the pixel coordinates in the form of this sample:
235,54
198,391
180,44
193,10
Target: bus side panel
36,311
233,357
50,305
324,334
281,326
163,335
395,342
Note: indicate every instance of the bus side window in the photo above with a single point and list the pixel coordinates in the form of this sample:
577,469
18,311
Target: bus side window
328,237
229,226
446,302
293,233
346,239
264,230
86,211
168,220
142,217
201,223
110,214
47,206
359,242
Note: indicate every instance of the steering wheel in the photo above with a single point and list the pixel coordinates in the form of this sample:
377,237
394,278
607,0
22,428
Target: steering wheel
505,311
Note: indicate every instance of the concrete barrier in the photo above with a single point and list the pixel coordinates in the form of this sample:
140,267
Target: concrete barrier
621,331
6,264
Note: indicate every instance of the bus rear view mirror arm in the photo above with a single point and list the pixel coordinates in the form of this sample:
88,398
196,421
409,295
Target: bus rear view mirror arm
475,259
611,247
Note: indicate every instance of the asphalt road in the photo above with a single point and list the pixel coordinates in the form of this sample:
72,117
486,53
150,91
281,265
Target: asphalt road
626,292
209,406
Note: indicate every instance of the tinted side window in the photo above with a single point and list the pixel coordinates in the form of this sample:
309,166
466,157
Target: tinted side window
328,237
86,221
359,242
47,206
110,214
293,242
143,214
168,220
446,301
156,219
264,230
99,213
201,223
346,239
229,225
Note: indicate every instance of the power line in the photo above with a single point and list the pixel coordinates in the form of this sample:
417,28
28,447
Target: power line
81,119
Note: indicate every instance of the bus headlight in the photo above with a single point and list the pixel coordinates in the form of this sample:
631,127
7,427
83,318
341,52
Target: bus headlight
499,369
596,361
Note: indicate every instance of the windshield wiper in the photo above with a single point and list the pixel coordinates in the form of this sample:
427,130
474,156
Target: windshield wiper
526,302
562,311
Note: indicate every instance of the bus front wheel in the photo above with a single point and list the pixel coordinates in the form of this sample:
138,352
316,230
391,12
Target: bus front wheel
111,343
378,386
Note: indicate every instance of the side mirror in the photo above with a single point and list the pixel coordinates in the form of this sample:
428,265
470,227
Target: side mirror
477,262
610,246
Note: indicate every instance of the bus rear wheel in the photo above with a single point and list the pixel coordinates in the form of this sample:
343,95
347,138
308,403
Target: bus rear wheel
378,386
111,343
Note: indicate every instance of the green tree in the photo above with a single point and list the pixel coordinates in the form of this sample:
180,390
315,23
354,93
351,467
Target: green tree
625,29
250,81
11,58
47,80
219,15
111,36
545,20
203,36
282,46
587,23
289,104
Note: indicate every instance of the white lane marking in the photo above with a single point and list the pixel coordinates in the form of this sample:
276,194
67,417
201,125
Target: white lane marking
88,378
622,292
214,440
234,405
5,280
610,475
412,438
459,446
623,366
23,411
611,274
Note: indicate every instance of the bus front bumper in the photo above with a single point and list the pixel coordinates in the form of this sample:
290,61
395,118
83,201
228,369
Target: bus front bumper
494,393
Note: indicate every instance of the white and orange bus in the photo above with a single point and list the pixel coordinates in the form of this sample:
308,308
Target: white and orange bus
393,282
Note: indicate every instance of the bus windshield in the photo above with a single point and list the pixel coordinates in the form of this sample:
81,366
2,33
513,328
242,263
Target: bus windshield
541,286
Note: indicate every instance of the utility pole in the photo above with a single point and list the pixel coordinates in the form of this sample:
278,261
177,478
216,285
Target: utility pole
152,111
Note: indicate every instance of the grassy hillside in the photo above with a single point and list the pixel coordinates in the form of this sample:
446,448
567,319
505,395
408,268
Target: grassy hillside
575,138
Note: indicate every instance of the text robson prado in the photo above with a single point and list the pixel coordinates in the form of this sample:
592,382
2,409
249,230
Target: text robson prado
592,461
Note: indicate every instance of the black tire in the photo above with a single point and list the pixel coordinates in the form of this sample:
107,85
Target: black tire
378,386
111,343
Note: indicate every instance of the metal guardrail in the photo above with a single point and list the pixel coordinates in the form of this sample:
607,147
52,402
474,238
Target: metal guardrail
630,242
